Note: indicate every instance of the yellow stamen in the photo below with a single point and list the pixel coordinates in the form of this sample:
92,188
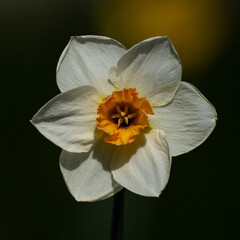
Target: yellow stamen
120,120
117,115
126,109
132,115
126,120
118,108
122,116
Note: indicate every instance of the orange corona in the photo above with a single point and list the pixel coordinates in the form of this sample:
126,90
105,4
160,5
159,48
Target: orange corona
123,115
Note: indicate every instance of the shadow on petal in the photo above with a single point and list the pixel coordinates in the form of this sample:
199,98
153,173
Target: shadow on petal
71,161
103,152
125,152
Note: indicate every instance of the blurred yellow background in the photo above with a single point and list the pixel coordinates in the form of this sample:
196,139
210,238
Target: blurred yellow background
198,29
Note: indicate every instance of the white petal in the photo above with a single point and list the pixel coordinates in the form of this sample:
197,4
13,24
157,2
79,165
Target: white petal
187,121
87,175
69,119
143,166
86,60
152,67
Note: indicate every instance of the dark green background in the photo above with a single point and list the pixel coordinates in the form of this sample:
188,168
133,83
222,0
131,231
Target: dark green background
201,200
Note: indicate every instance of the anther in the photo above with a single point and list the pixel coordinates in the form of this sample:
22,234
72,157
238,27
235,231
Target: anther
126,109
132,115
120,120
118,108
117,115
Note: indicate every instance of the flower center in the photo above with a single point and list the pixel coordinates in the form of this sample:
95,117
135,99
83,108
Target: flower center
123,115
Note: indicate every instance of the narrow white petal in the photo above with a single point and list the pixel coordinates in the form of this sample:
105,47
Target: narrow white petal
152,67
88,175
143,166
86,60
187,121
69,119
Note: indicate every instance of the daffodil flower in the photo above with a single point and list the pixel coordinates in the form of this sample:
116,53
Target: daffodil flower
121,116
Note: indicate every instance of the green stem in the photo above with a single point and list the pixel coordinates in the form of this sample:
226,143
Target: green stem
117,216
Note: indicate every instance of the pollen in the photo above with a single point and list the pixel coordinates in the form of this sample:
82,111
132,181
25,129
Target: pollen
123,115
